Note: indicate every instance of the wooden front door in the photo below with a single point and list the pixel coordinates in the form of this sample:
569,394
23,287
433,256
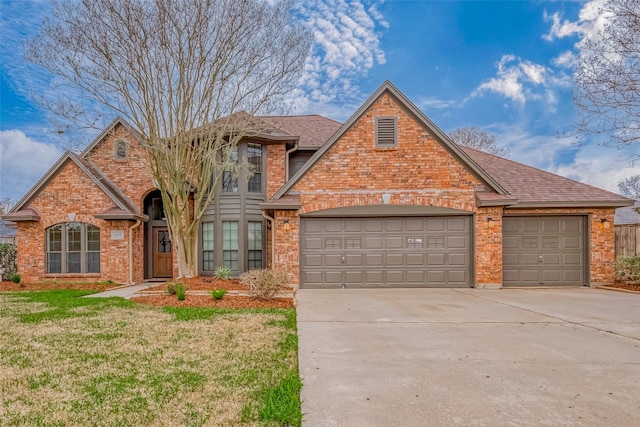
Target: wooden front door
162,253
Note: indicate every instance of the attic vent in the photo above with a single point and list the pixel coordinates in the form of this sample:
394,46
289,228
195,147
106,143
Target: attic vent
386,132
121,150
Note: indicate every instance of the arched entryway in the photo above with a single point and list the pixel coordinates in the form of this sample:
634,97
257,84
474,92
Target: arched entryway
158,248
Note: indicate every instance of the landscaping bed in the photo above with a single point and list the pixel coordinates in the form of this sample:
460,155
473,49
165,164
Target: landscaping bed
6,285
228,301
205,284
629,286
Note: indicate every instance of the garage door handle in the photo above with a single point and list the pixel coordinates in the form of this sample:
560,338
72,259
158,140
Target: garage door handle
540,259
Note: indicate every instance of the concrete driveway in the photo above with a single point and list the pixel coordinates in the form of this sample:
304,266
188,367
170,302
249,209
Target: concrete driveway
441,357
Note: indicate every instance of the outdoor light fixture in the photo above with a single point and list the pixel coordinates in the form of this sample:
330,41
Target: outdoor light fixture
604,223
285,225
491,223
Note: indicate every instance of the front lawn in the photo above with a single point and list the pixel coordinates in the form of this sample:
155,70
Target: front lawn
71,361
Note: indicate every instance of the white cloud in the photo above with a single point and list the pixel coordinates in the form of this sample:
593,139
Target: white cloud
566,59
514,79
591,19
346,46
23,161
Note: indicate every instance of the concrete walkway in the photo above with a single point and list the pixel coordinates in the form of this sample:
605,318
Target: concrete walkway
443,357
124,291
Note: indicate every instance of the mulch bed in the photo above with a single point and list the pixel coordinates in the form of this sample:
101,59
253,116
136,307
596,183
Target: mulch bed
206,301
626,285
48,286
206,284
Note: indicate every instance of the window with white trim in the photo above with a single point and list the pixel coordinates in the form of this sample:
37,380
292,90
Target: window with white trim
73,247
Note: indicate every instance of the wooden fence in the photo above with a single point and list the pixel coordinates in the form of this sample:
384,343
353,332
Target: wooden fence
627,240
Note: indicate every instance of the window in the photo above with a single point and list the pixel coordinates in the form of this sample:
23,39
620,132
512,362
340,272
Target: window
230,244
254,240
207,246
254,158
229,175
386,132
73,247
121,150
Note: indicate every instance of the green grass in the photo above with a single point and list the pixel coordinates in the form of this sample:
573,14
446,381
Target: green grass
138,365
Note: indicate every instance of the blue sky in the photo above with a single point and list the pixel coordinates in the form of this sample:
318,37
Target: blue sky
504,66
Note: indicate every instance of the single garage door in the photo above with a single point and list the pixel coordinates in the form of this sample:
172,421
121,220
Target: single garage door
386,252
543,251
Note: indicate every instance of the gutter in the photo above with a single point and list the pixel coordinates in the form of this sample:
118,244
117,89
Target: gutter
286,161
138,222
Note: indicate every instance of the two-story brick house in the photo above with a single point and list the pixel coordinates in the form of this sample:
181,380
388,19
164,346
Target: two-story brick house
385,199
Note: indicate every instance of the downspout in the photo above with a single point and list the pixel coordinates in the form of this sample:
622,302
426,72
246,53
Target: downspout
273,236
286,161
138,222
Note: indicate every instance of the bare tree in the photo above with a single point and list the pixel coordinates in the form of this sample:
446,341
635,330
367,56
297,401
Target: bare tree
630,187
608,75
189,74
474,137
5,205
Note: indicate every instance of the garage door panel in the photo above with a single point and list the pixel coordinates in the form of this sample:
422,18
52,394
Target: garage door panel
354,260
393,251
374,259
394,260
394,242
457,224
373,242
332,260
457,242
541,250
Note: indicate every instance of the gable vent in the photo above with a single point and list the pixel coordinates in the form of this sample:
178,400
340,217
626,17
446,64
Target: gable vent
386,132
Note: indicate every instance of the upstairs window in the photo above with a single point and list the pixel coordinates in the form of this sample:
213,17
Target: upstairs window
73,247
121,150
254,158
229,175
386,132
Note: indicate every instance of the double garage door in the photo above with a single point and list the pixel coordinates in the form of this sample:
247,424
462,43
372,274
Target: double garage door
437,251
544,251
386,252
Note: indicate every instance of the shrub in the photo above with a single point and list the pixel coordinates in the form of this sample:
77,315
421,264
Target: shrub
181,291
218,293
15,278
8,260
264,284
223,272
170,288
628,268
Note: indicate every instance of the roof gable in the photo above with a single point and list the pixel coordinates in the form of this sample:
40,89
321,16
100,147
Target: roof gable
107,130
98,178
419,117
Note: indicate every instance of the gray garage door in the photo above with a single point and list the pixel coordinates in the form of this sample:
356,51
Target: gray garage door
386,252
542,251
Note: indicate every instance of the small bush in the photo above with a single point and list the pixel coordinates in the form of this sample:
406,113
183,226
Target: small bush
170,288
264,284
181,291
218,293
223,272
15,278
8,260
628,269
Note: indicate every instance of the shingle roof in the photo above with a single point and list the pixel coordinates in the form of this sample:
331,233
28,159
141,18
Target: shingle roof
628,215
532,186
312,130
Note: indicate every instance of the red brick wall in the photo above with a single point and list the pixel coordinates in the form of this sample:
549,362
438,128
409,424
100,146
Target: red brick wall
488,247
601,240
275,168
132,175
71,191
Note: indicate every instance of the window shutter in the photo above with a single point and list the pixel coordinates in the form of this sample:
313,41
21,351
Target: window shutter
386,132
